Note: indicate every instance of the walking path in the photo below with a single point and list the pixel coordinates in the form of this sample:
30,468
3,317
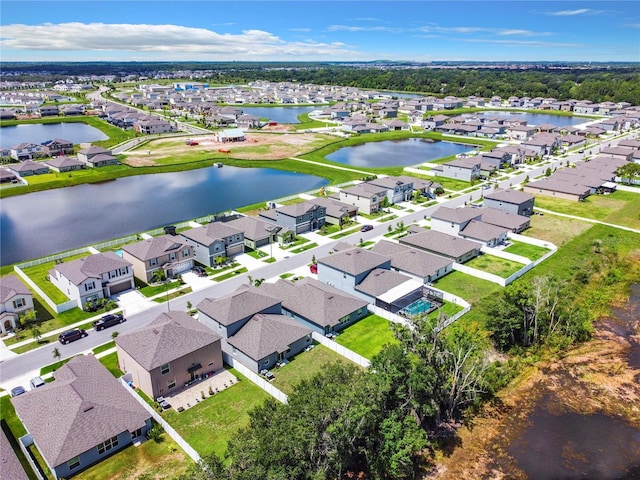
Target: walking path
583,219
332,166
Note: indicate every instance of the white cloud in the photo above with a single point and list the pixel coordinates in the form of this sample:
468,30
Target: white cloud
578,11
525,43
167,41
356,28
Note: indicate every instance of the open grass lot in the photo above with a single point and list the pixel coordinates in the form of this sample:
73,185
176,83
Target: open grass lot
367,336
495,265
40,276
557,230
451,183
466,286
152,460
304,366
620,208
532,252
208,425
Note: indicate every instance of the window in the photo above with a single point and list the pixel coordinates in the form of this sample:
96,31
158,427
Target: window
89,286
360,310
153,262
344,319
137,433
107,445
164,369
172,256
18,303
171,384
185,252
73,463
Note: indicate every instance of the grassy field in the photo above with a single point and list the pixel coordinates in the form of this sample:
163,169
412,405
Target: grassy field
304,366
40,276
495,265
466,286
208,425
557,230
367,336
532,252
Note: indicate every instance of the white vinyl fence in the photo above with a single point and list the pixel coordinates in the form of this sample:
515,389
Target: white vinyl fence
340,350
255,378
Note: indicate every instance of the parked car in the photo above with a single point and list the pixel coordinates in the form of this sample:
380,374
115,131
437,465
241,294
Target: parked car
200,271
36,382
19,390
267,374
366,228
72,335
108,320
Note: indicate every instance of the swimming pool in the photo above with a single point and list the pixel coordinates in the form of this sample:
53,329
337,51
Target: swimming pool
118,252
419,306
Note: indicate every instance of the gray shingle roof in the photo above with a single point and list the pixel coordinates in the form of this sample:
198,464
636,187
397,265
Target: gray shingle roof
440,243
410,260
380,281
11,466
455,215
365,190
235,306
170,336
482,231
318,302
155,247
298,209
83,407
353,261
512,221
10,286
208,234
334,208
509,196
63,161
92,266
253,228
264,334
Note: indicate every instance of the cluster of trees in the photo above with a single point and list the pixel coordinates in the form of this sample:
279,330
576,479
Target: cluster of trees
348,422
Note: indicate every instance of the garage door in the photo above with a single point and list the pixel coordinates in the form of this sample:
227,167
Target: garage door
182,267
121,287
235,250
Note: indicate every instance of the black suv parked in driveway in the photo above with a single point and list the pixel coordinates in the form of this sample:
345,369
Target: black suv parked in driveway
72,335
108,321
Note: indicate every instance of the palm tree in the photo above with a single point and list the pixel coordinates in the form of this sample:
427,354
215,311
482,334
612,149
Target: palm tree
56,354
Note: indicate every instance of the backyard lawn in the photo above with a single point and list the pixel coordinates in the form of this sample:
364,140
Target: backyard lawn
304,366
208,425
368,336
495,265
532,252
466,286
40,276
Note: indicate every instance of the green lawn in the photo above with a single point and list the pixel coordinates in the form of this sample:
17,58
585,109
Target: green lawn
449,309
304,248
367,336
104,347
40,276
532,252
151,290
451,183
208,425
495,265
233,273
111,363
163,459
466,286
297,242
304,366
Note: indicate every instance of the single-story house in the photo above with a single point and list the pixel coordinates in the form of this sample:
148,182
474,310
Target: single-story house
82,417
216,239
511,221
15,300
424,266
453,220
65,164
438,243
93,277
389,289
558,188
168,352
169,253
8,176
490,235
29,167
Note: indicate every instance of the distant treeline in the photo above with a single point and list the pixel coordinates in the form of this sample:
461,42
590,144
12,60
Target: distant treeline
600,83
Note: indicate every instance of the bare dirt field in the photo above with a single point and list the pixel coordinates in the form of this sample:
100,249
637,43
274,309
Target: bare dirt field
256,146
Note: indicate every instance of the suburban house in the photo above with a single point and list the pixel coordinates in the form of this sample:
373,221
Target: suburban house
301,217
8,176
266,339
453,220
97,157
81,418
367,197
512,201
65,164
15,300
511,221
11,466
29,167
257,233
168,253
465,169
168,352
337,212
559,189
424,266
389,289
94,277
25,151
456,248
317,305
490,235
216,239
57,146
399,189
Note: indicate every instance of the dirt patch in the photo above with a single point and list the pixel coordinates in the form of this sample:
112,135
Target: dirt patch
256,146
596,378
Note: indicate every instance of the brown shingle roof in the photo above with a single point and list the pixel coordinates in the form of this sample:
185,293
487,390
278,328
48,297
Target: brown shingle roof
170,336
155,247
10,286
83,407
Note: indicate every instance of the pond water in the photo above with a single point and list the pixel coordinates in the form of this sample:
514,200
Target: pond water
280,114
37,133
537,118
390,153
573,446
42,223
400,94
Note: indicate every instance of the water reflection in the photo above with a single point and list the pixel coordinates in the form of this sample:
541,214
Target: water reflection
38,133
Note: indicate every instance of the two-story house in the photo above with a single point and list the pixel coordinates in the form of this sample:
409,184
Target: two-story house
367,197
93,277
169,253
511,201
25,151
465,169
216,239
299,217
15,300
97,157
399,189
57,146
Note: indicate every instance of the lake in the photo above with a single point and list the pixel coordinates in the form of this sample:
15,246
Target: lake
390,153
43,223
37,133
280,114
536,118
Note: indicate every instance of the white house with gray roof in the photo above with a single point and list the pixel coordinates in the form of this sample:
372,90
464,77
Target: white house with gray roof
15,300
168,352
438,243
367,197
82,417
216,239
93,277
423,266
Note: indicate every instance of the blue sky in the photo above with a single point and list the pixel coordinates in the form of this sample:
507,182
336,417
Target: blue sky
300,30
